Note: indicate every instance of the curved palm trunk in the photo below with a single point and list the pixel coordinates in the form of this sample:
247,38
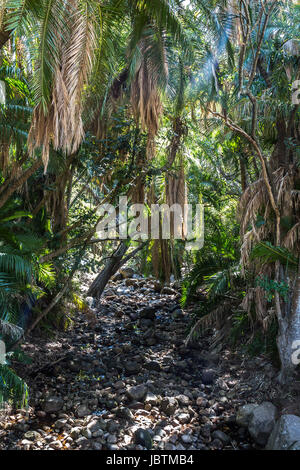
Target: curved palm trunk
113,264
111,267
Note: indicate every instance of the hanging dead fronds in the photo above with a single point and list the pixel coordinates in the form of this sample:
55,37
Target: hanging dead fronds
151,71
60,123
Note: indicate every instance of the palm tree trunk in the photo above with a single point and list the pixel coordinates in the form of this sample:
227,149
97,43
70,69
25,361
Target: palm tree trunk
4,36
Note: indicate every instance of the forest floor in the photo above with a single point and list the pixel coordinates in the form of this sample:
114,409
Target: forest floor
96,386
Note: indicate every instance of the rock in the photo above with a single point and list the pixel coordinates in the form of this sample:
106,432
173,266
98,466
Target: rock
148,313
145,323
90,301
132,367
217,444
60,423
32,435
286,434
170,446
131,282
262,422
183,418
75,432
244,414
126,273
221,436
177,314
151,399
169,405
112,439
183,400
124,413
201,401
96,427
208,376
153,365
168,291
82,411
137,393
86,433
143,438
53,404
187,439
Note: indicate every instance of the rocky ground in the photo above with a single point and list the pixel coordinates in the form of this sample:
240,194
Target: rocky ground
129,382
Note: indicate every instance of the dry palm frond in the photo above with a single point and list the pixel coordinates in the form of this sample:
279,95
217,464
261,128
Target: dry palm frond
151,70
60,124
145,97
292,238
255,298
213,319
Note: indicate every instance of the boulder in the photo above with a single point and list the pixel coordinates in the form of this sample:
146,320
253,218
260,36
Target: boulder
82,411
53,404
244,414
137,393
286,434
262,422
143,438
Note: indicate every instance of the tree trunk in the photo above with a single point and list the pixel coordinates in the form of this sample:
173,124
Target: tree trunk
4,36
113,264
111,267
289,334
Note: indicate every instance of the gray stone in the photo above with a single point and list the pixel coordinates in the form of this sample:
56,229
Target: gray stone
187,439
124,412
221,436
262,422
183,418
53,404
143,438
168,291
82,411
132,367
151,399
169,405
208,376
244,414
286,434
137,393
32,435
75,432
